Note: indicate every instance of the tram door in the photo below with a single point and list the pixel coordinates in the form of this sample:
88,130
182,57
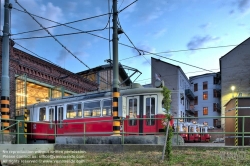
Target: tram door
51,126
59,120
149,113
132,122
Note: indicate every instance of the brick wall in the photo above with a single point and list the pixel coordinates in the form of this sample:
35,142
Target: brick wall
40,70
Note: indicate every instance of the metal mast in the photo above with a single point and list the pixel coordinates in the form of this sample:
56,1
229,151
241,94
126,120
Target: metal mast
5,80
116,92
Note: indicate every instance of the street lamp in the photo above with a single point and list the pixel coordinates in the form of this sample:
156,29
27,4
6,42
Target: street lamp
232,88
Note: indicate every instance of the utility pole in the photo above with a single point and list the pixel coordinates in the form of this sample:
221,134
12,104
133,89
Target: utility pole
5,80
116,91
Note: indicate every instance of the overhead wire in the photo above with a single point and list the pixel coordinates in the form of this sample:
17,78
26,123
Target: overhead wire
127,6
121,4
58,41
58,24
51,34
149,53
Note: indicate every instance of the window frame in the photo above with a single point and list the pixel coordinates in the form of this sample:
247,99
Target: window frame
44,115
195,87
77,112
92,109
196,100
133,121
205,85
205,110
105,107
205,95
152,108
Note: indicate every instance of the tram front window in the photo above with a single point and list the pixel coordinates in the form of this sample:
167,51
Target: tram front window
132,112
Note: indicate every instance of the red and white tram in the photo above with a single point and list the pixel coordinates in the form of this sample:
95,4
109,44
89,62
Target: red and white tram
91,113
192,132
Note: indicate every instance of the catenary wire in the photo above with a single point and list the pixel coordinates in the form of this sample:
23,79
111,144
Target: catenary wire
58,24
59,42
148,53
51,35
127,6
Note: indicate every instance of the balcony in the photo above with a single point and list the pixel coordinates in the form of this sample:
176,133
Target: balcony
218,107
189,94
191,110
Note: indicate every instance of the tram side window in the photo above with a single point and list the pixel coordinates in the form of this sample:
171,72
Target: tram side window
150,111
92,109
74,110
51,114
42,114
133,112
106,109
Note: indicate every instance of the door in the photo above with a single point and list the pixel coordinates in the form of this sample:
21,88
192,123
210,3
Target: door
59,120
132,122
51,126
149,113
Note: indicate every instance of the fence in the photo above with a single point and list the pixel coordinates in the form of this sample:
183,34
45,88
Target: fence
243,132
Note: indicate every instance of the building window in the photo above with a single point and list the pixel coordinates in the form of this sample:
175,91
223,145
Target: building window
205,110
195,87
196,100
216,80
195,113
215,122
215,107
215,93
205,85
205,95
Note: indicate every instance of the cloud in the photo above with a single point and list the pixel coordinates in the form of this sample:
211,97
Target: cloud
153,15
205,26
198,41
98,11
65,55
243,5
71,6
143,47
160,33
48,11
61,58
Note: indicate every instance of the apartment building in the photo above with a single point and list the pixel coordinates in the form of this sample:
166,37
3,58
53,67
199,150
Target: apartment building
235,67
176,81
207,92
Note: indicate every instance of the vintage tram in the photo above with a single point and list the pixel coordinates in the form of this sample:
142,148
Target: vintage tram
90,114
193,132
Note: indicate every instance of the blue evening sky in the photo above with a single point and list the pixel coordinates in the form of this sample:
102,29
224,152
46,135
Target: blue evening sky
152,25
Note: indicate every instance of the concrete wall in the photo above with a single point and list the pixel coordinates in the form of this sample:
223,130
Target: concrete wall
211,99
235,67
170,75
